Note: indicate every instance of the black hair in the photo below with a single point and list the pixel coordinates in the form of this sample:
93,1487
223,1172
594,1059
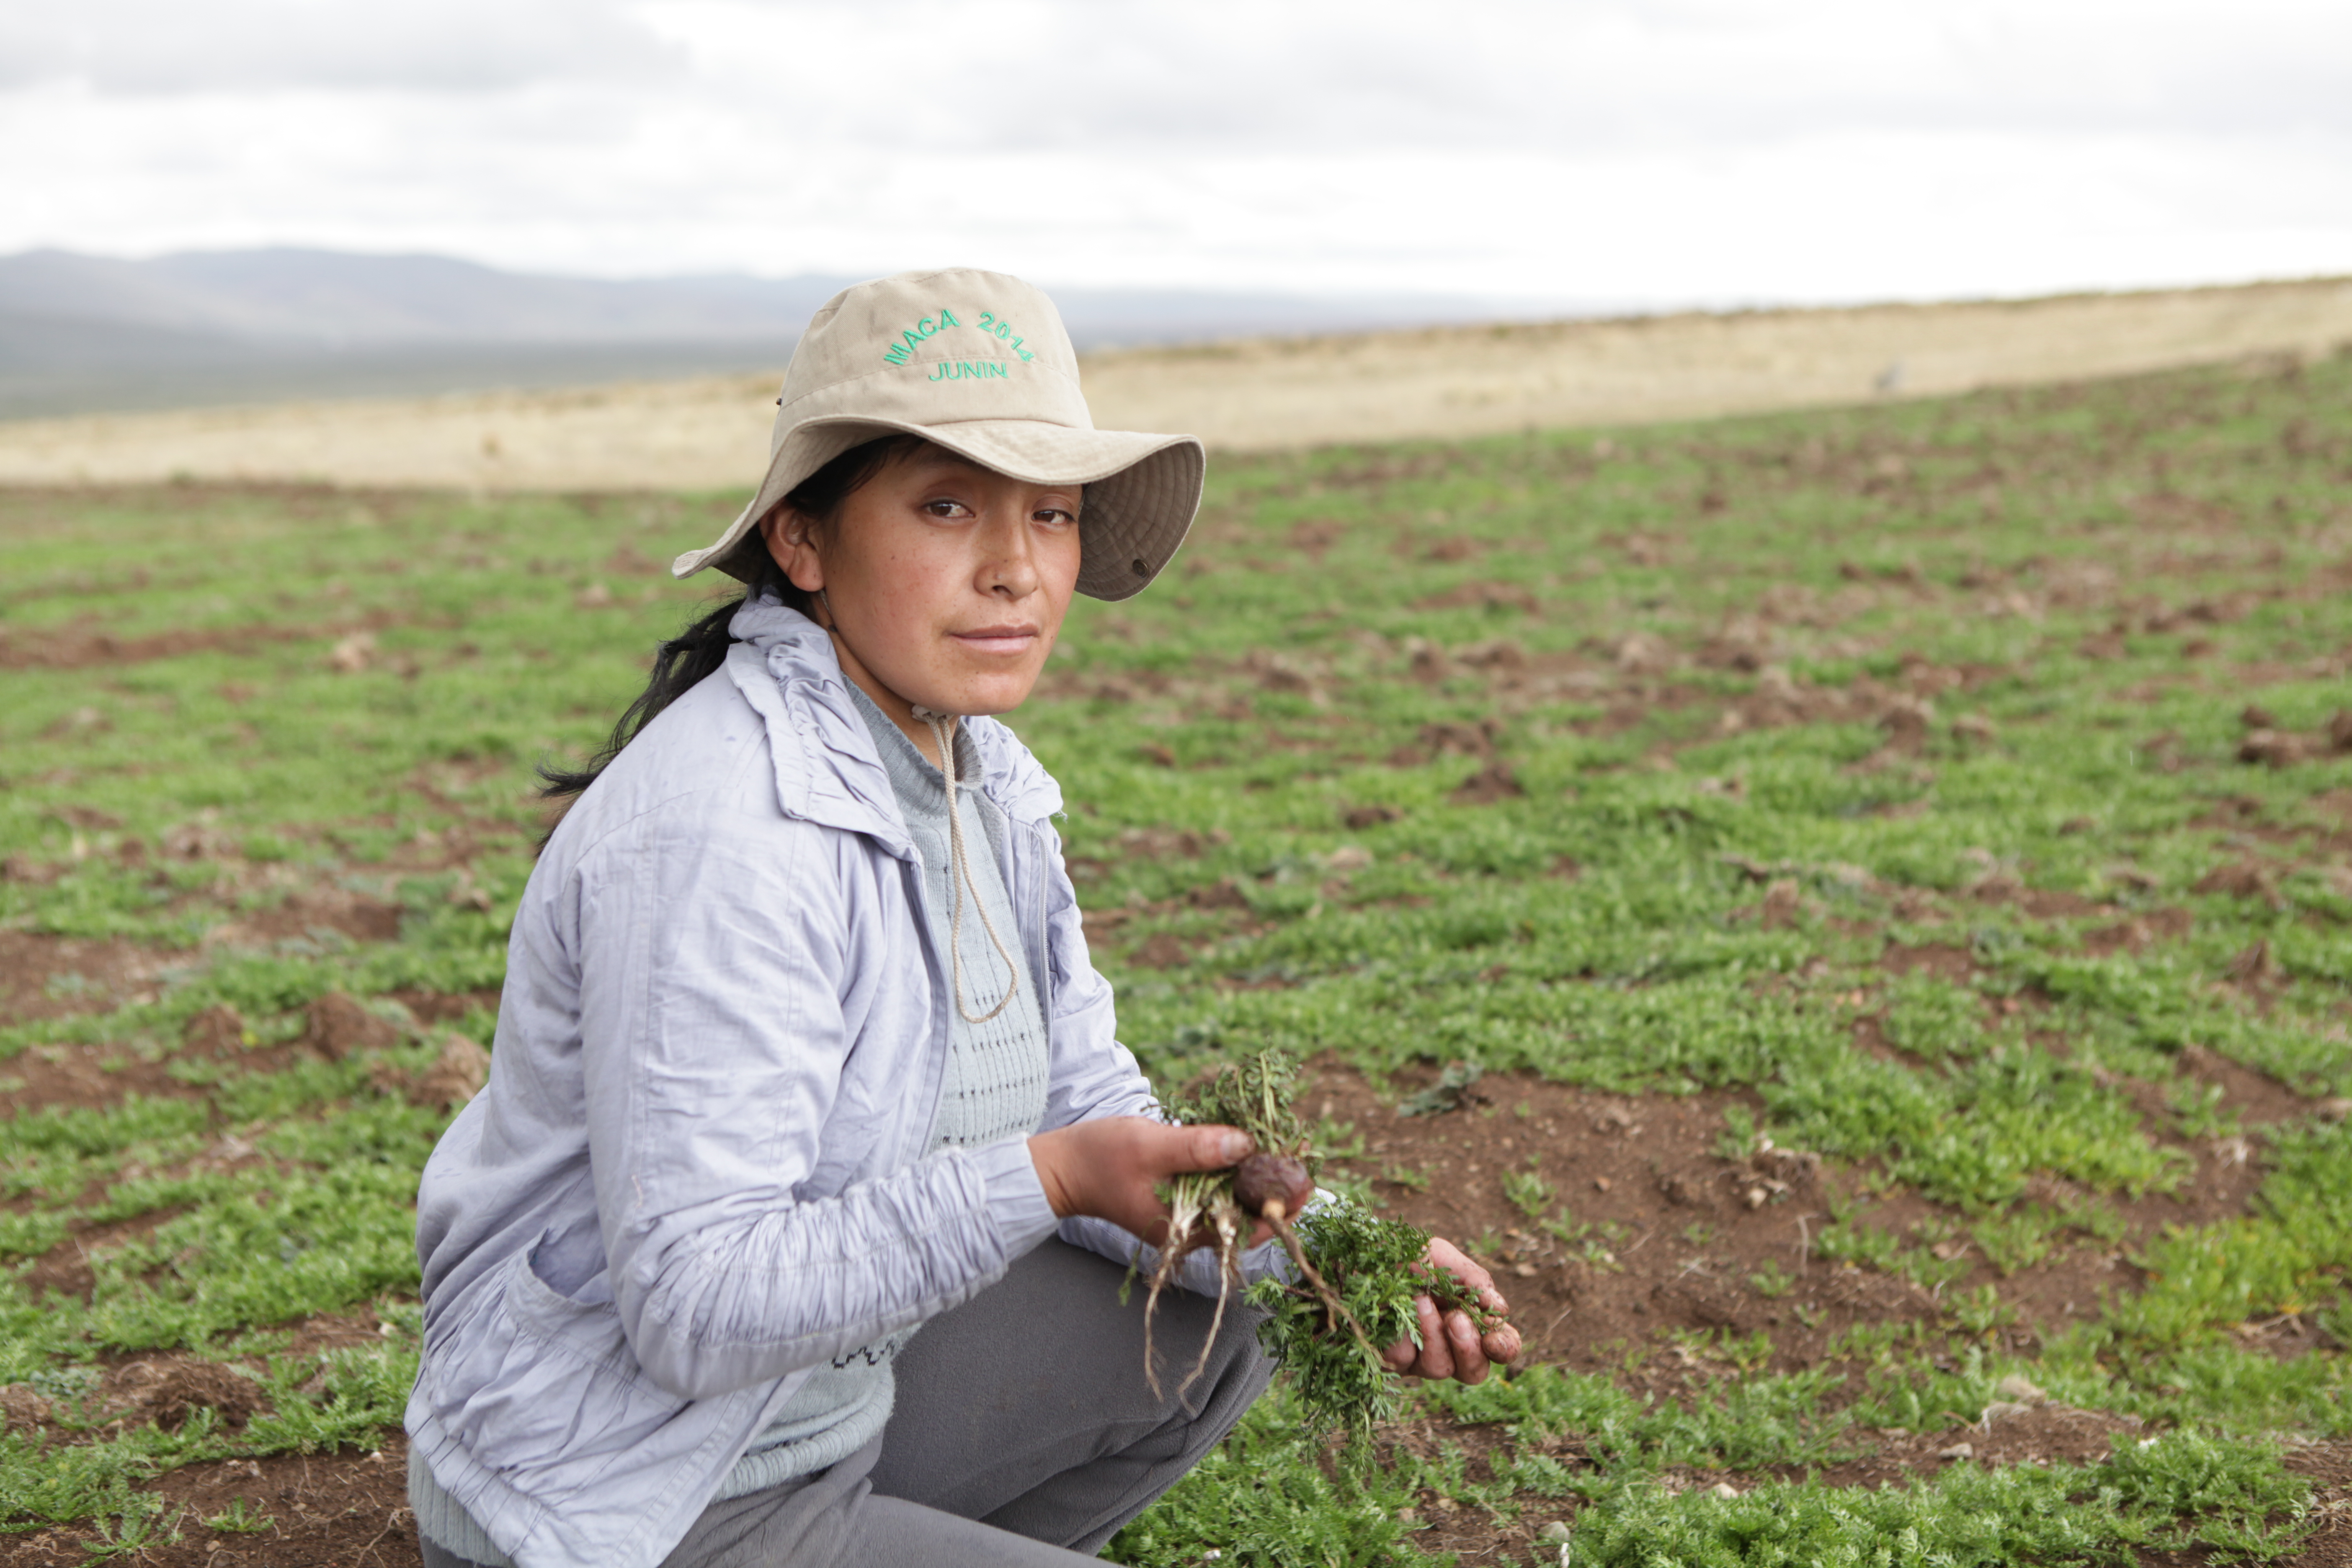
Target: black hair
684,661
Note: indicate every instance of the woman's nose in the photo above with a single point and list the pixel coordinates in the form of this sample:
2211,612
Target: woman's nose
1012,566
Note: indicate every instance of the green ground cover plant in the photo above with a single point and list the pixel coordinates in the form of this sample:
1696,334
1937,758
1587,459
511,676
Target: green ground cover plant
1955,794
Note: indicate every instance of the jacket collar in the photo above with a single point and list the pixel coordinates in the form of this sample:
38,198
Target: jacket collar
827,769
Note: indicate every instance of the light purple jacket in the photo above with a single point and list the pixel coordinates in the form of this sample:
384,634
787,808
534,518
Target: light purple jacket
699,1167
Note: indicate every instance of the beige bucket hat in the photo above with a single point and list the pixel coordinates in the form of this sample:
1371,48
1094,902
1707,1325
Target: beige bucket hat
980,364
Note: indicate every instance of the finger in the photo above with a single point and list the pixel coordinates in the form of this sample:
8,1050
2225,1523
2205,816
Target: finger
1469,1357
1482,1283
1400,1355
1208,1147
1459,1264
1436,1355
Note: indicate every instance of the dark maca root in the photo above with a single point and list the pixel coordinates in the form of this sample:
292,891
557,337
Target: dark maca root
1267,1179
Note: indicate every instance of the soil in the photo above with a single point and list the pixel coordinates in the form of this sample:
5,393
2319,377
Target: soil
347,1510
1683,1235
2329,1465
51,977
78,648
1686,1238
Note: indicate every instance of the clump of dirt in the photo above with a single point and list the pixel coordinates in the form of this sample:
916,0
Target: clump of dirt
219,1032
170,1393
1481,596
456,1076
24,1408
1163,843
44,976
445,1007
1455,739
1222,894
2243,879
2272,744
1162,949
308,911
338,1025
2171,925
1496,782
86,1075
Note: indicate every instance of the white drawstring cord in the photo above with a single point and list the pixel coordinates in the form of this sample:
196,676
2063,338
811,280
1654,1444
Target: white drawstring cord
943,728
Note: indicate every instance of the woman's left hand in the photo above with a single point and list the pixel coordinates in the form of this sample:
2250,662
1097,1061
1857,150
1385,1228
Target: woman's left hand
1451,1344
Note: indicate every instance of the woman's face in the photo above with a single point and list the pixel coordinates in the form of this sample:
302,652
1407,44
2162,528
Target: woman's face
946,582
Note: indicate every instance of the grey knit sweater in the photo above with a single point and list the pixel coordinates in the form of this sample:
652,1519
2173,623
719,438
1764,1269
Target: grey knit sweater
994,1088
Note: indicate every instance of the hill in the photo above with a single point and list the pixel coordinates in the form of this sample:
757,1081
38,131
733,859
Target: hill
1452,381
83,333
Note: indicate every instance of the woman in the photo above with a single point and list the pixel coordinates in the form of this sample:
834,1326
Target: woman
800,1049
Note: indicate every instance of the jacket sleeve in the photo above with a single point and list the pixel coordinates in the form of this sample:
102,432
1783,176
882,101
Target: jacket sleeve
721,975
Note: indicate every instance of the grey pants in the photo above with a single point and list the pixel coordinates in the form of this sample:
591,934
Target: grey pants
1025,1434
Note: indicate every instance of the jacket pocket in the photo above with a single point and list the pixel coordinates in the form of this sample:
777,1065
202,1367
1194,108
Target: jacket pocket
539,1377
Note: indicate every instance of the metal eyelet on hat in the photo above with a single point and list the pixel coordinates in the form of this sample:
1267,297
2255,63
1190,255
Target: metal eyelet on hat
1140,569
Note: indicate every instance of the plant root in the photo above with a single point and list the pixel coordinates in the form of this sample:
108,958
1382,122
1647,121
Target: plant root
1200,1218
1229,1270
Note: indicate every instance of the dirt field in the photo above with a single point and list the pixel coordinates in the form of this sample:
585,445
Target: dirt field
1442,382
1648,1168
1893,864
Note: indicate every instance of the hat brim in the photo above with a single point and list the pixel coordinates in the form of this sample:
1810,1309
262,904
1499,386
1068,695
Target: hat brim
1142,491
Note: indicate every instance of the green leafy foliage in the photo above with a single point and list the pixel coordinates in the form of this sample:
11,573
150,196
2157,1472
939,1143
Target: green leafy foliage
1374,1266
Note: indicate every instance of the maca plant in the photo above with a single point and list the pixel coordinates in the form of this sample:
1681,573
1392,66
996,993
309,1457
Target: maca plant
1355,1275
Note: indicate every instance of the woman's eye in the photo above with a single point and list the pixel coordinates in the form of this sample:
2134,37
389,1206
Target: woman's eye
945,508
1057,515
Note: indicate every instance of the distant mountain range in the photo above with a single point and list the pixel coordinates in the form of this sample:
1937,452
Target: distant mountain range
88,332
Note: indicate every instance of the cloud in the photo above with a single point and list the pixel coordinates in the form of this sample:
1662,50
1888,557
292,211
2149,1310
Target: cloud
1327,74
1612,150
1336,75
171,47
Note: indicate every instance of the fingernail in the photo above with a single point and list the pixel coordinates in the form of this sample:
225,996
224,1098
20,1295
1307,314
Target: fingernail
1236,1146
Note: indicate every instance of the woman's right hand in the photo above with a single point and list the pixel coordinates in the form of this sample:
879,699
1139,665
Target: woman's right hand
1109,1167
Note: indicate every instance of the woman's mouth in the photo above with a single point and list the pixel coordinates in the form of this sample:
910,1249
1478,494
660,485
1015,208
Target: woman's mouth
1004,640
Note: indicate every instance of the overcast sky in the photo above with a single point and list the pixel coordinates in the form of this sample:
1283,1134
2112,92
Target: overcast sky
1645,152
